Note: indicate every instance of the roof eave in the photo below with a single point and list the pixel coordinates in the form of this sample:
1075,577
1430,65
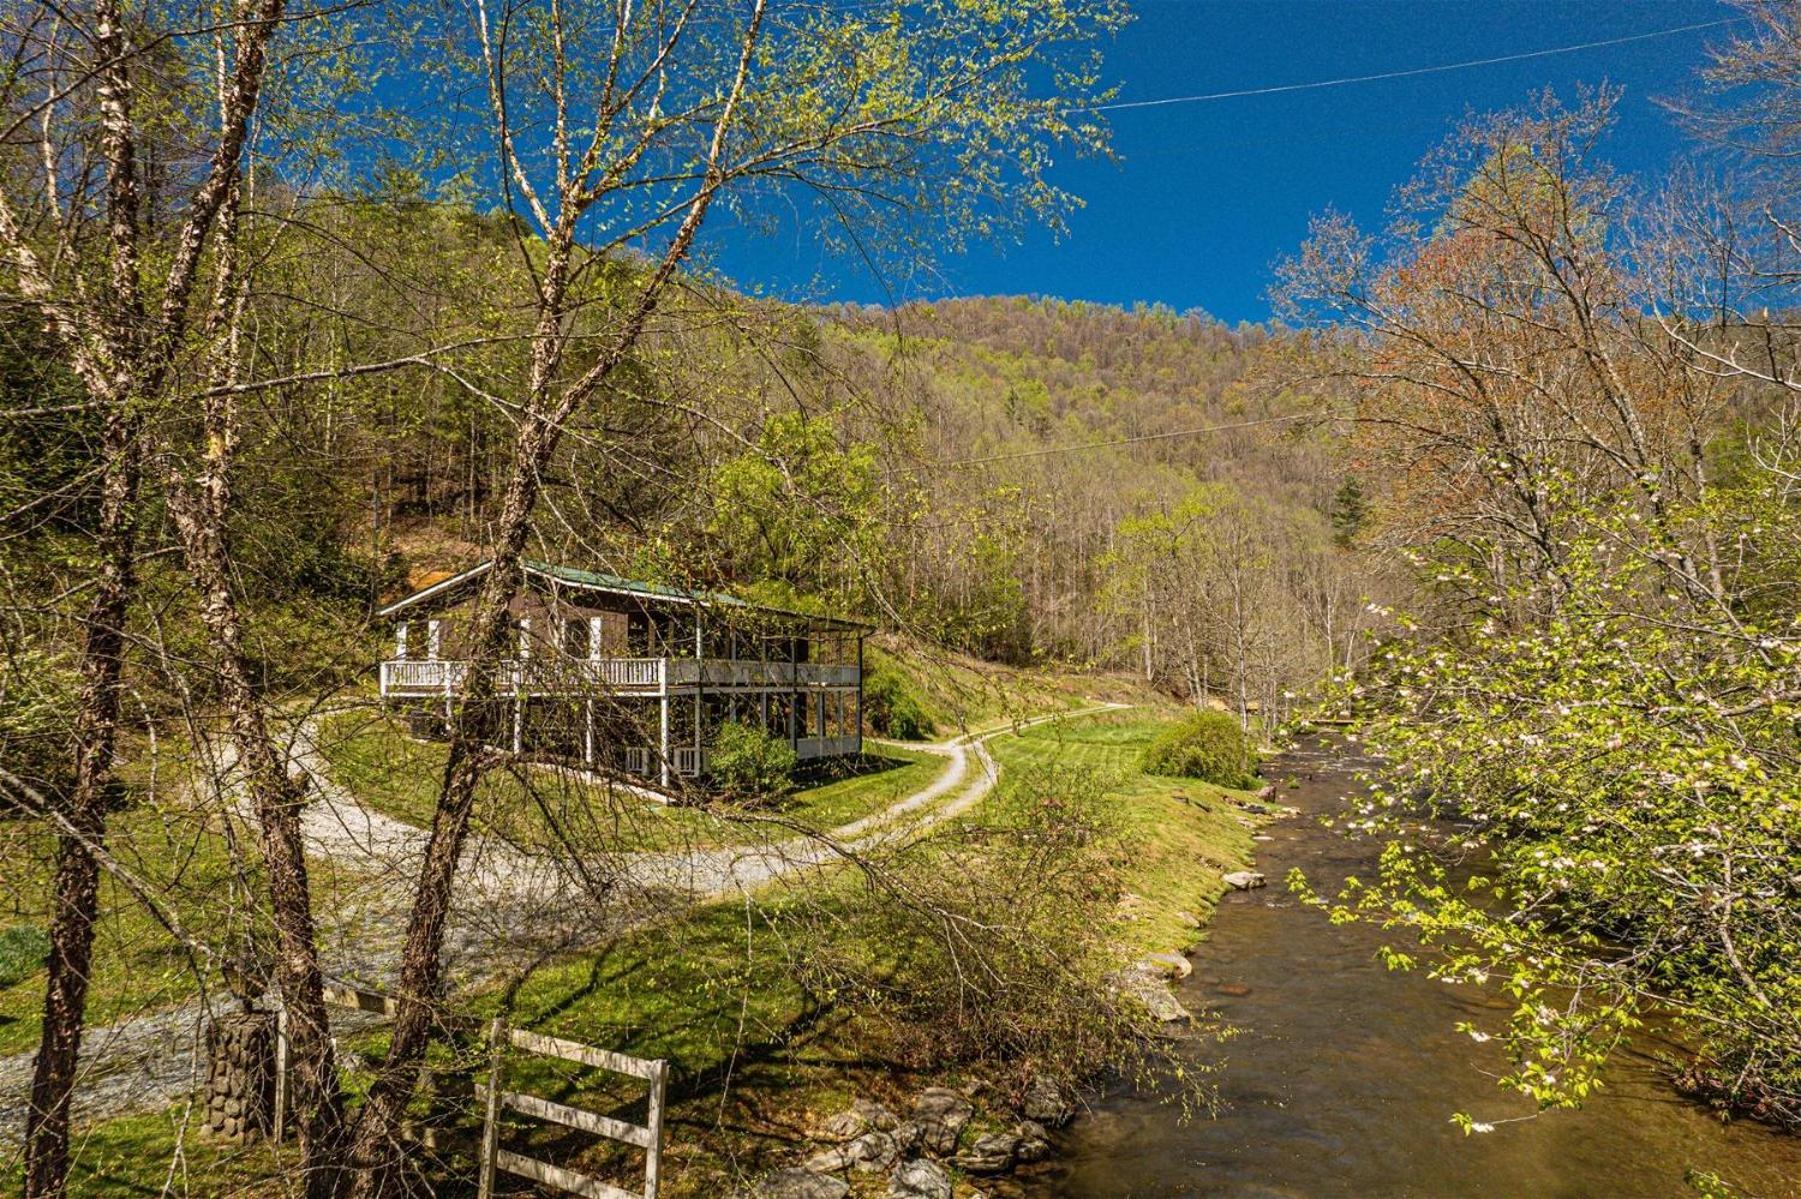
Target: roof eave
441,587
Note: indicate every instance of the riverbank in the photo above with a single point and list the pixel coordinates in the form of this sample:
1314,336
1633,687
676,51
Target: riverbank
1343,1075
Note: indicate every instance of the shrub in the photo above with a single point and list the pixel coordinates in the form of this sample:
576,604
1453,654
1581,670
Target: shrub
23,948
1206,745
748,763
892,709
1025,988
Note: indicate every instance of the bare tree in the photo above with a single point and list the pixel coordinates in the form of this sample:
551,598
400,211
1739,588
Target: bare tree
83,254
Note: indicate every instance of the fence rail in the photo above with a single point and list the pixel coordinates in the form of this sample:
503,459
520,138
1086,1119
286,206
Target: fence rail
491,1157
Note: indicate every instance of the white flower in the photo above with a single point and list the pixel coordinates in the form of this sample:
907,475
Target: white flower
1479,1126
1478,1036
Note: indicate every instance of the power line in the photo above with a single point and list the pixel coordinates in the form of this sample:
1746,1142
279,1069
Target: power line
1119,441
1433,70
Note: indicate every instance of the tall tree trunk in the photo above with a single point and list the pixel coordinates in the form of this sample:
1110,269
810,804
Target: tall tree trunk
122,355
75,894
375,1150
277,799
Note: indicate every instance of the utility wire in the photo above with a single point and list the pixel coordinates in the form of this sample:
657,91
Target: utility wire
1119,441
1434,70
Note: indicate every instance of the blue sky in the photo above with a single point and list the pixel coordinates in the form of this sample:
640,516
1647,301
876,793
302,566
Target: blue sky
1208,195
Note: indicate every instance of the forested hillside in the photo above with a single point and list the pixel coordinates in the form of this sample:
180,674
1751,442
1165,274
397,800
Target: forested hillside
302,311
1025,480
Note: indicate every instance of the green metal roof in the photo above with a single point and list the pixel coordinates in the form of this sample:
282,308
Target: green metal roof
600,581
607,582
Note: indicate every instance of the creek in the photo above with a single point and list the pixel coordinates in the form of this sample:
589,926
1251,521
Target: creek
1342,1075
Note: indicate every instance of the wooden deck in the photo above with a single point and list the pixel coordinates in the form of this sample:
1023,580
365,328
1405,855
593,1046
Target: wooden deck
423,678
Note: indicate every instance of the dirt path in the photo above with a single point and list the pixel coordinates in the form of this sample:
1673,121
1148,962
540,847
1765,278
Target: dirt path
512,905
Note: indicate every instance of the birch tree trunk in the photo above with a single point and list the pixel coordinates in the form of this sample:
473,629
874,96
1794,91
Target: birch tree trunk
75,889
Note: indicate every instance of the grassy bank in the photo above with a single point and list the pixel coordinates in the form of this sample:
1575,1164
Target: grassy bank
1180,836
957,693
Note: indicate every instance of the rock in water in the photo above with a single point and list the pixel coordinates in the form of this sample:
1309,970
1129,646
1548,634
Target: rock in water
1244,880
1034,1142
1046,1102
991,1154
1162,1005
802,1184
941,1114
1171,965
919,1179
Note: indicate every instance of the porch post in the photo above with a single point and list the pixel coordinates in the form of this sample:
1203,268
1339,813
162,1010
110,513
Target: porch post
859,725
663,754
518,723
700,687
588,731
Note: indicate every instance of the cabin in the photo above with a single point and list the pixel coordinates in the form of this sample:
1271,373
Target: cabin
629,676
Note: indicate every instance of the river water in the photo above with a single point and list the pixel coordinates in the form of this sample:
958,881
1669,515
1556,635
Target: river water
1343,1076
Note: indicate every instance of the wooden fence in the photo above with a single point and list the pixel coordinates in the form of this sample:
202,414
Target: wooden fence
496,1099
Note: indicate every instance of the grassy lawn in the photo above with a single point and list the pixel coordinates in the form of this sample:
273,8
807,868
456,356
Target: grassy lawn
378,762
131,1156
959,693
1182,834
138,966
181,855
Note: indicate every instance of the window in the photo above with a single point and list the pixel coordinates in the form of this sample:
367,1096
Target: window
575,636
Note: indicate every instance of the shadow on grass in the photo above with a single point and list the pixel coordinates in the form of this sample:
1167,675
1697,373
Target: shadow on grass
821,771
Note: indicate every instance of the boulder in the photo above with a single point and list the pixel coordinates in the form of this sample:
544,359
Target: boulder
907,1136
832,1160
1046,1102
873,1151
1188,919
919,1179
1170,965
1034,1142
802,1184
877,1115
845,1126
1244,880
1162,1005
991,1154
941,1114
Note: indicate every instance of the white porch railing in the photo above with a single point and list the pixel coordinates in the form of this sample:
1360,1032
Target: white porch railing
533,676
554,674
414,675
731,672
